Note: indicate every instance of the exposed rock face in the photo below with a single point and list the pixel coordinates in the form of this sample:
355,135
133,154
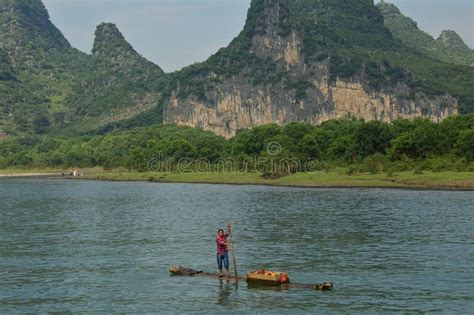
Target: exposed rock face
307,93
238,106
295,60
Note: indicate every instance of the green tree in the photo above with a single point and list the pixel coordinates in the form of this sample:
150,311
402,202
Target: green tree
41,123
465,144
372,137
311,146
424,140
343,148
180,149
137,160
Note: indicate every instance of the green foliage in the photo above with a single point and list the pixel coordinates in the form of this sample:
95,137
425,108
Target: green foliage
454,42
425,139
342,148
418,170
373,147
465,144
438,67
41,123
36,64
442,164
120,76
372,137
42,75
47,86
350,35
6,69
375,164
450,50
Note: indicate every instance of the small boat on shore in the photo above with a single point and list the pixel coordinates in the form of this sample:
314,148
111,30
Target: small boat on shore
259,277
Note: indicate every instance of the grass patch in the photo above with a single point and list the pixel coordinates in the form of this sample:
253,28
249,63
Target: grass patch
340,178
427,180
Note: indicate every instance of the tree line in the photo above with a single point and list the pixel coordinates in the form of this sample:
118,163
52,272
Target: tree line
354,144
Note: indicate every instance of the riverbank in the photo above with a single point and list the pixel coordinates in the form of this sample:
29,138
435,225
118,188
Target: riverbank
29,173
407,180
336,178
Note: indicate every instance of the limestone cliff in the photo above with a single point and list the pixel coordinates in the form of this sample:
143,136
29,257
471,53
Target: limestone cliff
296,61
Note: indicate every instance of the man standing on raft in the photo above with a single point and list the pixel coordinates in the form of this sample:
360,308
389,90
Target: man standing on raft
222,253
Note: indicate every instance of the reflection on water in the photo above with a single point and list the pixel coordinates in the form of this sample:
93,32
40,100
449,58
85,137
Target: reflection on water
225,291
106,247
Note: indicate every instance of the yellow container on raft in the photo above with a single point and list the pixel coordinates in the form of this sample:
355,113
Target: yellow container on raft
267,277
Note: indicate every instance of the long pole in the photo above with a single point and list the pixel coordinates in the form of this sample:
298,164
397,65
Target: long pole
233,252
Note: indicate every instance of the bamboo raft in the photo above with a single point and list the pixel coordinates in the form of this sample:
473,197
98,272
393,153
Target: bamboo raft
253,279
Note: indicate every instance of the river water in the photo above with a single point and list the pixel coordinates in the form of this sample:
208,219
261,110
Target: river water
87,246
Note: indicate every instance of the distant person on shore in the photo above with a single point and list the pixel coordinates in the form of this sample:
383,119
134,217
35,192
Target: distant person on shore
222,253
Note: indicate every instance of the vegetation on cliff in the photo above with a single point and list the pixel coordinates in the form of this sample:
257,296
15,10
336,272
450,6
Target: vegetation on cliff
349,35
48,86
454,42
42,63
121,77
449,47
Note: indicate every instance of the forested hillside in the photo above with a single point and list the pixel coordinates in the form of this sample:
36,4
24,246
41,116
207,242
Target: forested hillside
294,61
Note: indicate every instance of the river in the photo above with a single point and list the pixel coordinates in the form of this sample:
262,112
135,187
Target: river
91,246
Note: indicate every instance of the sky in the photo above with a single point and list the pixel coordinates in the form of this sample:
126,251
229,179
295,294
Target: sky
177,33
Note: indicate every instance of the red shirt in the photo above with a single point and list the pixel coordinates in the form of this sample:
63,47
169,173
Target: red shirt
221,244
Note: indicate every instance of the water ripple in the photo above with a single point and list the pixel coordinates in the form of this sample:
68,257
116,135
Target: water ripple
68,246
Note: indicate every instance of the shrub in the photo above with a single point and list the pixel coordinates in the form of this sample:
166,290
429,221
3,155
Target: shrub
375,164
418,170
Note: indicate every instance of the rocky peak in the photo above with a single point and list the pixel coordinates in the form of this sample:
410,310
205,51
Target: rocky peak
452,39
111,49
108,39
290,10
449,48
282,17
389,8
296,32
25,25
302,60
390,12
122,81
